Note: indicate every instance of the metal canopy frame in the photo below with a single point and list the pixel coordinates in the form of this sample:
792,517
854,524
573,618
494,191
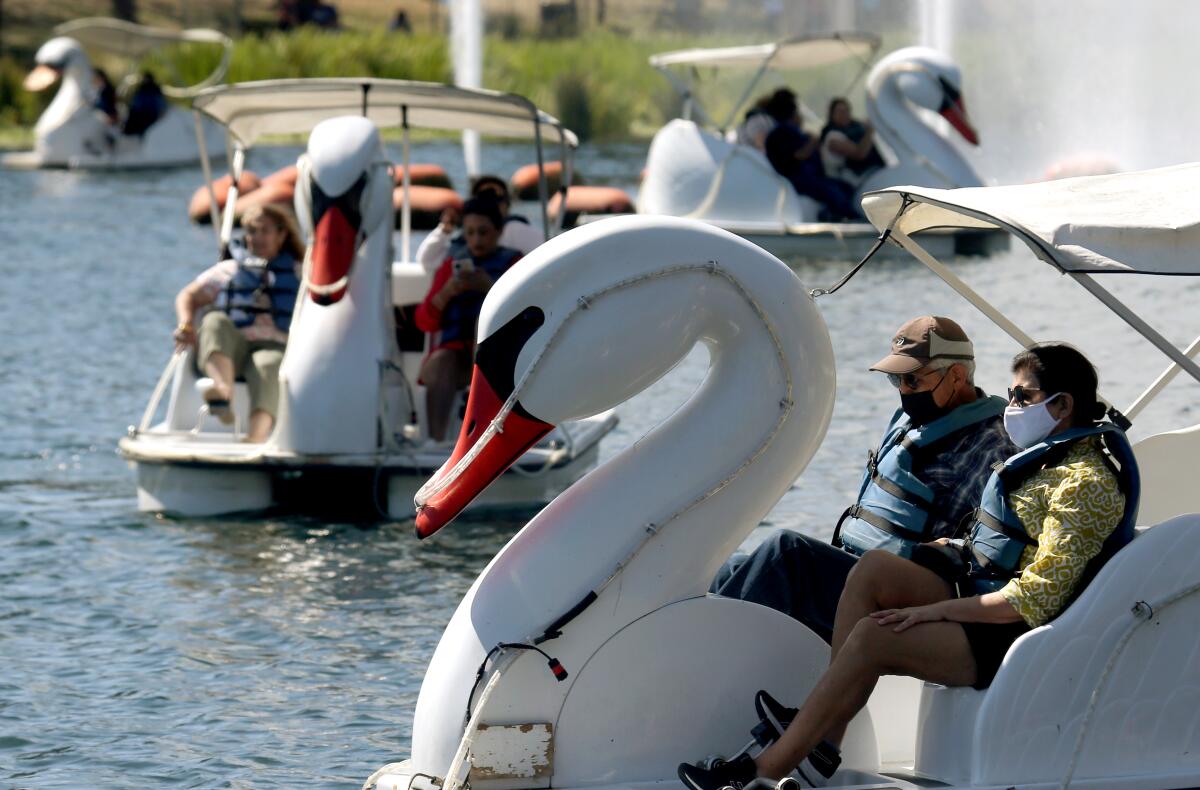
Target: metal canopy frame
1180,360
236,155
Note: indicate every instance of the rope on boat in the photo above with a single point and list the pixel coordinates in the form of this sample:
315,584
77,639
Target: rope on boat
1143,612
884,236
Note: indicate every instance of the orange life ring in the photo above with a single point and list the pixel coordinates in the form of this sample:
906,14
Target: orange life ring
424,175
525,180
198,207
278,188
590,200
427,204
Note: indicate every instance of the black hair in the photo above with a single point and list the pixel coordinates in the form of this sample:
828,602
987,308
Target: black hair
484,207
834,102
1059,367
489,180
782,105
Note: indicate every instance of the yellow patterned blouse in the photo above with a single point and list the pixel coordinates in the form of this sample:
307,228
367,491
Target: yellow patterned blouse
1070,509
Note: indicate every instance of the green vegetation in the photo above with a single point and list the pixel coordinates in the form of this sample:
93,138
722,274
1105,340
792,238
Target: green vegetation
600,84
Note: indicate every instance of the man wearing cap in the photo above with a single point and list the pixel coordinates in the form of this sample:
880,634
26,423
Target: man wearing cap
925,477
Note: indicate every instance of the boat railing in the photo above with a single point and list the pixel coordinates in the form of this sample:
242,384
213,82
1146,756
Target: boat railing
159,388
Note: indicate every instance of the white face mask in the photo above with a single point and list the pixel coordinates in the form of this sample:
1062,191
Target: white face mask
1029,425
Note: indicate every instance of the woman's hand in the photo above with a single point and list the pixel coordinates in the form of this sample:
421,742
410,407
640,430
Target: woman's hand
910,616
184,336
475,280
449,219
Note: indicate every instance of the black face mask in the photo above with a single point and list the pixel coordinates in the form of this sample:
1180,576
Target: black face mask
920,407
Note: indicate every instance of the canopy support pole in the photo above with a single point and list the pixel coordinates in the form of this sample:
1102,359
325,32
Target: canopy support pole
543,192
1160,383
406,207
1140,326
235,171
964,290
750,86
213,212
568,175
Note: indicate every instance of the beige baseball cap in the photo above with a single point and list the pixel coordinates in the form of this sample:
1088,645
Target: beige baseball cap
924,339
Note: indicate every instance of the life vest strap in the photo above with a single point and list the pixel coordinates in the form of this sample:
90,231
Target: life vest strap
904,496
877,521
996,525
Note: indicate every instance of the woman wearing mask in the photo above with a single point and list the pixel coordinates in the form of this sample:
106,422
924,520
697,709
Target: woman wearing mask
950,614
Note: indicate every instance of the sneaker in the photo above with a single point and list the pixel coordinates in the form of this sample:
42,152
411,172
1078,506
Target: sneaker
736,773
819,766
773,713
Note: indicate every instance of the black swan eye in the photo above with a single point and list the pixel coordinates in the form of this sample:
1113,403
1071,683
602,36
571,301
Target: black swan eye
496,356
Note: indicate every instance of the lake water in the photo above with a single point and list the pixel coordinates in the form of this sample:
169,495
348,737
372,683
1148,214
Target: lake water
141,651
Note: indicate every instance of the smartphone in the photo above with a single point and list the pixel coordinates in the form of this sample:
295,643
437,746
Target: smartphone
462,266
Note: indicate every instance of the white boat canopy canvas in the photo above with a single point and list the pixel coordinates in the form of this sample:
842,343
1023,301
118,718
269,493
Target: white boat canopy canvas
136,41
251,110
805,52
1147,222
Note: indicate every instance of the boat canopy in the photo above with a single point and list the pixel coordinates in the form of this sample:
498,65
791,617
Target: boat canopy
801,52
1146,222
136,41
250,110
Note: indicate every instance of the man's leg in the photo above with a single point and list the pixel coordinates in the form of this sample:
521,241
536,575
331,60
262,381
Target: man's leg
223,351
792,573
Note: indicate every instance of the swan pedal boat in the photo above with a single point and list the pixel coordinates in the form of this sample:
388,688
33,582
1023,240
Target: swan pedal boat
72,134
694,170
610,579
350,431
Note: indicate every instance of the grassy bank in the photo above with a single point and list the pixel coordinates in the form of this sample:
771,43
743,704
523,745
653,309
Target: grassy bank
599,84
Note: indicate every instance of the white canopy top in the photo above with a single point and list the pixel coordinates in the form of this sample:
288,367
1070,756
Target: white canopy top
253,109
802,52
1146,222
135,41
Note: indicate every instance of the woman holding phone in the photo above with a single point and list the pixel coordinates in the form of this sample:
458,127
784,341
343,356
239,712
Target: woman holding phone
452,306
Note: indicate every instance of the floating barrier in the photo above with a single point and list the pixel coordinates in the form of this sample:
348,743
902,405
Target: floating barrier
590,200
427,204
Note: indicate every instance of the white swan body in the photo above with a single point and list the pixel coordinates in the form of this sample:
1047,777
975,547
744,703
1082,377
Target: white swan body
72,133
616,305
693,172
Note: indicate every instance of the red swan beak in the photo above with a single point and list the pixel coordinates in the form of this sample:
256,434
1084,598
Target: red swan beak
518,433
956,113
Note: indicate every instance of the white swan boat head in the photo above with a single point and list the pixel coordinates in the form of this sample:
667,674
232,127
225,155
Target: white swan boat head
71,133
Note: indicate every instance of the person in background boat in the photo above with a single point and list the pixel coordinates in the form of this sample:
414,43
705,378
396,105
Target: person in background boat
247,332
106,96
961,437
848,151
400,23
953,622
451,308
794,155
756,125
444,240
146,106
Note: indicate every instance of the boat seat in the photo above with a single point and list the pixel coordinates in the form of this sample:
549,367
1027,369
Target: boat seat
1168,477
1025,727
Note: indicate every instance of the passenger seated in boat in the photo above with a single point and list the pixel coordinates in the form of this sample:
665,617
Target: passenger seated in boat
246,334
146,106
949,614
848,151
445,240
452,305
106,96
794,155
931,466
756,125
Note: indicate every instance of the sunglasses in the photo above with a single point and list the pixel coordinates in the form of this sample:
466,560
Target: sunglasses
255,230
1022,395
910,380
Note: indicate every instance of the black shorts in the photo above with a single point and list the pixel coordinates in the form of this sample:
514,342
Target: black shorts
989,644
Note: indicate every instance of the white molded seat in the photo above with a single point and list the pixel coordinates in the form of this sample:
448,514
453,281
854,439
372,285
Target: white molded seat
1167,465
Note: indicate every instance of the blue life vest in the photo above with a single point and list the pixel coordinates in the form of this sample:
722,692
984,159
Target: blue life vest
460,315
998,538
277,281
895,509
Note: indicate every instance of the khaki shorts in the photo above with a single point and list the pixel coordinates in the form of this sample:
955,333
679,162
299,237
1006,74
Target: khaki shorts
255,360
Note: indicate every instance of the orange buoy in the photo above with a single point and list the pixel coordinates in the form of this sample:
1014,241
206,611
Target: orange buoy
198,207
426,203
424,175
525,180
278,188
590,200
